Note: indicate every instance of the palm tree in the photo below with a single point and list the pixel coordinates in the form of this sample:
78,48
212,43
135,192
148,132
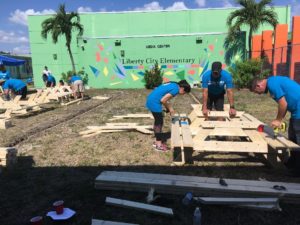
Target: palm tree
253,15
62,23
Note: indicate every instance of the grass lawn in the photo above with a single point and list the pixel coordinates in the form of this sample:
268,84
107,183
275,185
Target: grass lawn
54,163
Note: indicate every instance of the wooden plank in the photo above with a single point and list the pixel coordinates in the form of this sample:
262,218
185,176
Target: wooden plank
252,118
93,133
100,97
226,124
106,222
229,146
176,140
232,132
197,179
140,206
187,139
218,114
273,142
289,144
202,134
72,102
236,201
163,183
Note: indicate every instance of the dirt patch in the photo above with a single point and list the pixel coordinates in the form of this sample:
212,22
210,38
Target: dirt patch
56,163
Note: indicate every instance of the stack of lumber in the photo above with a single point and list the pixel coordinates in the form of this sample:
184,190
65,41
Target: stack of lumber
221,133
8,156
134,116
115,127
200,186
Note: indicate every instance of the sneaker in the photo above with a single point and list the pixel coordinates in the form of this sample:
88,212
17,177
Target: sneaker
161,148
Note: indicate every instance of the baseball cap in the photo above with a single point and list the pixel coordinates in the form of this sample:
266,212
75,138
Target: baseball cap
216,67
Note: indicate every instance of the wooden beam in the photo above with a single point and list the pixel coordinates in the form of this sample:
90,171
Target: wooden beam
105,222
140,206
236,201
178,184
232,132
226,124
229,146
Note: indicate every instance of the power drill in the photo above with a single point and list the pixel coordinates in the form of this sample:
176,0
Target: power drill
282,128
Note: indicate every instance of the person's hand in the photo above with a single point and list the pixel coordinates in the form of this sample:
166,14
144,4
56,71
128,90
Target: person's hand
172,112
205,113
232,112
276,123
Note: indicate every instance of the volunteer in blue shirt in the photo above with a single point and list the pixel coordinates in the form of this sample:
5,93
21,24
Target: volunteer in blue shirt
16,86
4,74
77,86
286,93
215,83
159,97
51,82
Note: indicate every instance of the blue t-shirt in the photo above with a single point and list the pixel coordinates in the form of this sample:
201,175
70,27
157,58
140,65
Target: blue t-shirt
217,86
153,102
280,86
13,84
4,75
51,78
74,78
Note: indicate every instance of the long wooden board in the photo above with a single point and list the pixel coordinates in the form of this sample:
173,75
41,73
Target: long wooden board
140,206
236,201
173,184
106,222
229,146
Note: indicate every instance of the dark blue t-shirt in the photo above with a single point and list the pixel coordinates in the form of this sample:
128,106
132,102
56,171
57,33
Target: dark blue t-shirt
153,100
217,86
280,86
13,84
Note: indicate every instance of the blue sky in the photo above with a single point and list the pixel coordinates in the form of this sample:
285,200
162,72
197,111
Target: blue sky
13,18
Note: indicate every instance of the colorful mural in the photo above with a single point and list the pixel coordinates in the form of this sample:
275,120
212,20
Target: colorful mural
124,66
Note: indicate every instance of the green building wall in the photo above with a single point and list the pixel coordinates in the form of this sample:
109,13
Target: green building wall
116,48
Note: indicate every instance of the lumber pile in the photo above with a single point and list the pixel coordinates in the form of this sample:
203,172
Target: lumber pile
115,127
8,156
221,133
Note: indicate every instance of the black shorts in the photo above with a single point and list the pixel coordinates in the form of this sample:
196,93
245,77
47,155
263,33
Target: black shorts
216,102
22,92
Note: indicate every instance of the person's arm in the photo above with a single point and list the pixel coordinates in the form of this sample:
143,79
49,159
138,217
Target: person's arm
282,109
204,102
166,104
232,111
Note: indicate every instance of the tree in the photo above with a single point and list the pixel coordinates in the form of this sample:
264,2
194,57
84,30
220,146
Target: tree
253,15
62,23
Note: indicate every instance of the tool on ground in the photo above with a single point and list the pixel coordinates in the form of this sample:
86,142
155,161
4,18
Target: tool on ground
279,187
281,128
222,182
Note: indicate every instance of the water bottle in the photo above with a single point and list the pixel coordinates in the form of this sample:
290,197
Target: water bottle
197,217
187,198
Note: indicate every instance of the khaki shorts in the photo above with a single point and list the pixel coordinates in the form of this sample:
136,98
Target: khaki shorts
78,86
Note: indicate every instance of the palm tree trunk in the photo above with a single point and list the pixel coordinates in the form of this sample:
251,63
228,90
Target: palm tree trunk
71,57
250,43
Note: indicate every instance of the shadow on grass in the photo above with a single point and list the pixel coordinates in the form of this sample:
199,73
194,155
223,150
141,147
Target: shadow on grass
27,191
